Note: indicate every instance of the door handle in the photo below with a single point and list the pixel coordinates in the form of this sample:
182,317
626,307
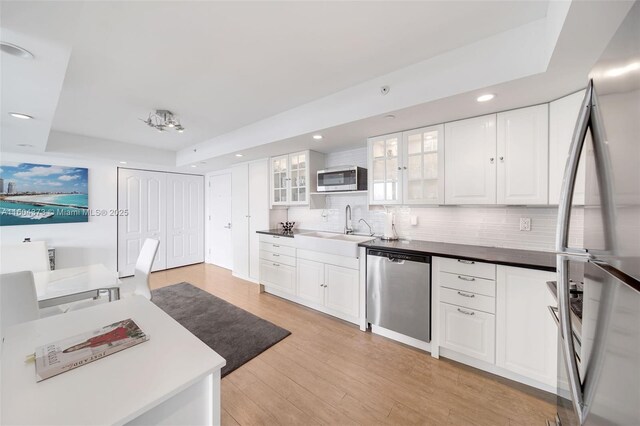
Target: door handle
228,226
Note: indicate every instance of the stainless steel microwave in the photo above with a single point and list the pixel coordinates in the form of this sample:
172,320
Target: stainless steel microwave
346,178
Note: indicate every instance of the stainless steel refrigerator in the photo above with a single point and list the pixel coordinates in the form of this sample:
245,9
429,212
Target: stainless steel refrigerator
599,330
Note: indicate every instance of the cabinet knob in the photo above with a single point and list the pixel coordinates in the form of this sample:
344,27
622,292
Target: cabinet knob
405,167
501,158
491,160
399,168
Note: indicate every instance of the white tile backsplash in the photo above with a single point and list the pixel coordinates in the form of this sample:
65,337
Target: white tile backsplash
487,226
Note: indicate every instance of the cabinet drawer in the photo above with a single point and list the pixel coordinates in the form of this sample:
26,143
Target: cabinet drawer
468,332
468,300
277,258
468,267
277,239
278,248
466,283
282,277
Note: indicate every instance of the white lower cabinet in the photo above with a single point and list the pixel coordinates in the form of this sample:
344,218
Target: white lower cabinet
503,322
330,286
341,290
526,335
278,275
311,281
468,331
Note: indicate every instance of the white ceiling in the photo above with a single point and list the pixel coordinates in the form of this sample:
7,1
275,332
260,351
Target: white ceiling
223,65
260,76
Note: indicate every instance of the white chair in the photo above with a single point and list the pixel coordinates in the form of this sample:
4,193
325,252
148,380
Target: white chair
18,299
136,285
32,256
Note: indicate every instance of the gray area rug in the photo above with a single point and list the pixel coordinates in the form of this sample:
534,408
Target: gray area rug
234,333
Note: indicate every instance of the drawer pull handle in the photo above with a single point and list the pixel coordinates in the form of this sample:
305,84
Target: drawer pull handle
460,277
276,264
462,311
276,255
468,262
466,294
276,246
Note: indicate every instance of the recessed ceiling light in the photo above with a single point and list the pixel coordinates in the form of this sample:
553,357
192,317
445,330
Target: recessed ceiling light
193,166
20,116
485,98
617,72
239,155
25,145
389,116
14,50
317,137
123,162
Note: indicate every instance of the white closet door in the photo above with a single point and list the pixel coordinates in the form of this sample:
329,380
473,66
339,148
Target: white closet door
185,219
258,212
143,195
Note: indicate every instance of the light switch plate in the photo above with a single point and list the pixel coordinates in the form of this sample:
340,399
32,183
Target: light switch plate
414,220
525,224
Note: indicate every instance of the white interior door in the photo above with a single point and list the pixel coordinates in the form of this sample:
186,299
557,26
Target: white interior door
143,195
220,242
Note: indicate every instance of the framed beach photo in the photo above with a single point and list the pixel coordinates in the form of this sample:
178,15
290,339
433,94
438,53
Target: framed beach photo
33,194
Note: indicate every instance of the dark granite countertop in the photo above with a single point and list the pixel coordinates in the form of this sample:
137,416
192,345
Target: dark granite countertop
281,233
540,260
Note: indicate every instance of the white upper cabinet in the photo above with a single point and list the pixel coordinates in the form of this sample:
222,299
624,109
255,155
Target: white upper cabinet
563,115
384,157
423,166
522,153
407,168
470,161
280,180
293,176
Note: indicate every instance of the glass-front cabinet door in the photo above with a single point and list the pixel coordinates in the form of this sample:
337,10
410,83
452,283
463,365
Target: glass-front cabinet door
280,180
298,173
385,169
423,168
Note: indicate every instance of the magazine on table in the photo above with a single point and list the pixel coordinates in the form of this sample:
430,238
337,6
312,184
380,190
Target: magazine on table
73,352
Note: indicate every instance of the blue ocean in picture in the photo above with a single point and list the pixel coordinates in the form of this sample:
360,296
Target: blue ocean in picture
33,194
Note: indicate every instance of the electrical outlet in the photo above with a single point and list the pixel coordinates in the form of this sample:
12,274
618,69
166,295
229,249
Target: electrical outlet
525,224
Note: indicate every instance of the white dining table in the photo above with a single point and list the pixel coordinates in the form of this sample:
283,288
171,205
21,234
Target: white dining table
171,379
68,285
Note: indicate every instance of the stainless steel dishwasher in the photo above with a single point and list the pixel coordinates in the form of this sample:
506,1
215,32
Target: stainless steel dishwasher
399,292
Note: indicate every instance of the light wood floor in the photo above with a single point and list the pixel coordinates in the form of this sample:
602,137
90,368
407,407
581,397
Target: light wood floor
329,372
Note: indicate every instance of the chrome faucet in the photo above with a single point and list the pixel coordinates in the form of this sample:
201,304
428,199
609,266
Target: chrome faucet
347,220
367,223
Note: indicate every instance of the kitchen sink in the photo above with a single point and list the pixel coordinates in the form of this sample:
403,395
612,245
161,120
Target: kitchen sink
331,242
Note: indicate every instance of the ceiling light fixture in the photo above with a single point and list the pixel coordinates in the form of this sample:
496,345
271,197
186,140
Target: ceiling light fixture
317,137
123,162
20,116
239,155
485,98
25,145
617,72
15,50
163,119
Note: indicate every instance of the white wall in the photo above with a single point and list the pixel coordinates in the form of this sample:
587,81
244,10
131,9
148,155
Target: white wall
76,244
487,226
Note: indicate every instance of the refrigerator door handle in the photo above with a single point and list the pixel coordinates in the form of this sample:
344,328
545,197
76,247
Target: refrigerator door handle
568,347
565,253
570,174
